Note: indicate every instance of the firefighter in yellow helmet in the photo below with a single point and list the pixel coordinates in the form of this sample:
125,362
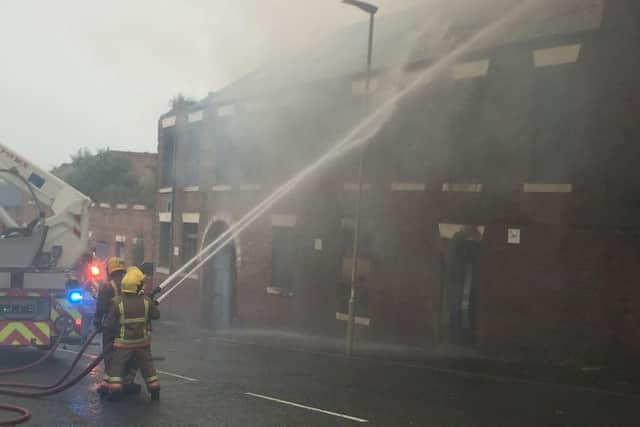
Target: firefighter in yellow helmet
106,292
129,318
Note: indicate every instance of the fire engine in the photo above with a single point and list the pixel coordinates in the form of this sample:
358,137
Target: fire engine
47,281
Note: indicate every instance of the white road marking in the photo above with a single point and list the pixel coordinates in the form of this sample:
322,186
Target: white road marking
457,372
182,377
93,356
309,408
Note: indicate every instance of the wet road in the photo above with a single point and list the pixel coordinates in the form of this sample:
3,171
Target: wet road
209,381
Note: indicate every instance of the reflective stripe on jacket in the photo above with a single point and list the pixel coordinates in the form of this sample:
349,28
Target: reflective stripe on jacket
129,319
134,331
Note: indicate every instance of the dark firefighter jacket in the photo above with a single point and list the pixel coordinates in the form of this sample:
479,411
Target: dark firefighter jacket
129,320
106,292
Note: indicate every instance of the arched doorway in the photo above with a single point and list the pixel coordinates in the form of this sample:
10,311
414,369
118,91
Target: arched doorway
219,281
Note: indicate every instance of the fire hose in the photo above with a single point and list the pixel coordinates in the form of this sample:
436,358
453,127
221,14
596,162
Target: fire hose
41,390
37,362
24,414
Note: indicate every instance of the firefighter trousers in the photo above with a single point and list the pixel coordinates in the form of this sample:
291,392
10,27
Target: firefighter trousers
107,344
123,359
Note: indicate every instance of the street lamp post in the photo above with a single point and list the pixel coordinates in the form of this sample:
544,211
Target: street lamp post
371,10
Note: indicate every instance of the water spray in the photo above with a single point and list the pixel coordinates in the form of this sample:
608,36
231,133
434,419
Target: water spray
375,120
361,134
346,144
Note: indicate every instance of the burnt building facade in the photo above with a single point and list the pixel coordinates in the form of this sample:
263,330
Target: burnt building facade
499,209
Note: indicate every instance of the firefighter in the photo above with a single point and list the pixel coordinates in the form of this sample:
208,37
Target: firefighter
148,269
106,292
128,319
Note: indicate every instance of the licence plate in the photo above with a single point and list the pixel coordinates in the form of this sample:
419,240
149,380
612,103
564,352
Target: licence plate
17,308
24,308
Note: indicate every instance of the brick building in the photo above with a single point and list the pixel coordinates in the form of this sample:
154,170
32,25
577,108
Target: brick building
122,230
499,210
126,229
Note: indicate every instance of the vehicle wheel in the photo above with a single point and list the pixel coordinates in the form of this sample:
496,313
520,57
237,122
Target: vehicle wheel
64,325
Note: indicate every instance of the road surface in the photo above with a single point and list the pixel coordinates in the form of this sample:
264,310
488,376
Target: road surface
211,381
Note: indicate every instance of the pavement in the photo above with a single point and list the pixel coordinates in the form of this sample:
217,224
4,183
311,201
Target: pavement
214,380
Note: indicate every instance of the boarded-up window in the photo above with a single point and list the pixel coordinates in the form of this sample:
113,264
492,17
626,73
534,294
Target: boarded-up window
469,139
556,124
137,251
193,155
283,257
223,152
418,137
167,155
565,99
189,241
102,249
120,252
164,245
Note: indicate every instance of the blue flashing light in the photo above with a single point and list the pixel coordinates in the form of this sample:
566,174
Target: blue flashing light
75,296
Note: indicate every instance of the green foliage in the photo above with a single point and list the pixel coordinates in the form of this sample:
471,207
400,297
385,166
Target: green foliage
106,177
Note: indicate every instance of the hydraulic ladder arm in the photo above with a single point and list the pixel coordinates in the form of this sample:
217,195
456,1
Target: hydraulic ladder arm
59,236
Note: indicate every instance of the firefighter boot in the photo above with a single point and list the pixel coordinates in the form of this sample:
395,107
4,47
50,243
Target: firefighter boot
131,388
155,395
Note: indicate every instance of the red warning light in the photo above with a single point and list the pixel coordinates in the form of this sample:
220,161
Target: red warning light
78,322
95,270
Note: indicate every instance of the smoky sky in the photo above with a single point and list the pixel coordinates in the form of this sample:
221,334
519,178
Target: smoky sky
85,73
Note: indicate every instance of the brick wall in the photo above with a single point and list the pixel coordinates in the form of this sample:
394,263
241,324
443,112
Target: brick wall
483,153
106,224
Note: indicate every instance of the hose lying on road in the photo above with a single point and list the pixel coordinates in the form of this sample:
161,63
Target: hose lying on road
24,414
58,388
7,389
37,362
61,380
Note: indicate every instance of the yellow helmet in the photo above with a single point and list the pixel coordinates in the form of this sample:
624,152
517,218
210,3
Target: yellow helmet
115,264
132,280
